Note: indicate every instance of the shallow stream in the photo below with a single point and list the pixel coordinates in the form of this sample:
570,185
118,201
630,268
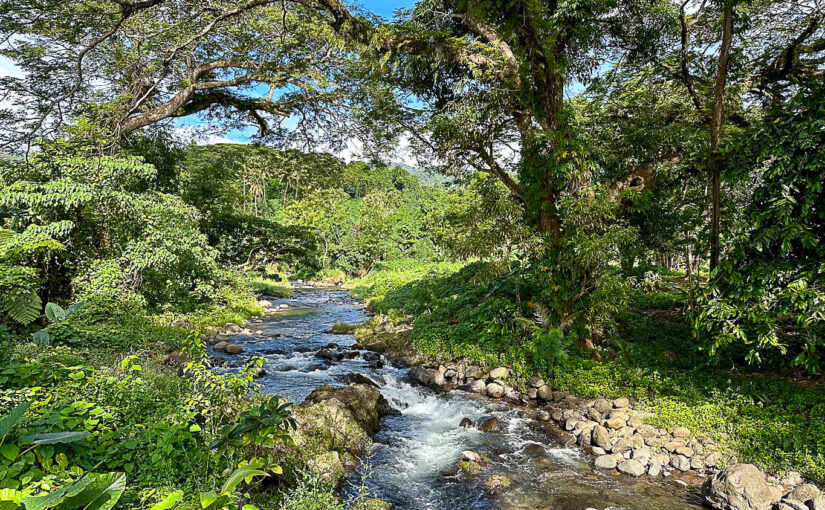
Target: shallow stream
412,463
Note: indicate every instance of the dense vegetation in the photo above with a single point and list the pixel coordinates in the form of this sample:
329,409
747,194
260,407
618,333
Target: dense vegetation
633,206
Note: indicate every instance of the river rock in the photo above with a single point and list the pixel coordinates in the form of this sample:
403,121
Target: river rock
327,355
600,437
672,446
233,349
615,423
713,459
466,423
232,329
472,372
631,467
634,421
804,493
817,503
792,479
621,403
495,390
543,415
739,487
220,346
789,504
593,414
470,456
535,382
545,393
654,470
497,484
605,462
499,373
490,425
532,393
428,376
680,462
681,432
534,450
477,386
602,405
684,450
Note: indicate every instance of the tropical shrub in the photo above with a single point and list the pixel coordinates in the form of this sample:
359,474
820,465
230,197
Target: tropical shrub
768,294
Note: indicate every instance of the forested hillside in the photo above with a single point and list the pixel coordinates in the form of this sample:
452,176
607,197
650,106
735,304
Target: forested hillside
619,199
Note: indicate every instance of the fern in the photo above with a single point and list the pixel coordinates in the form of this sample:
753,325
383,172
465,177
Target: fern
23,308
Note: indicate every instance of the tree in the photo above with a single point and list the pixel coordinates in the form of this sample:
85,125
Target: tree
324,212
130,64
491,79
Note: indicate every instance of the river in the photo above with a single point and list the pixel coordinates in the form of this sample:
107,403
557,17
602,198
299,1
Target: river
412,463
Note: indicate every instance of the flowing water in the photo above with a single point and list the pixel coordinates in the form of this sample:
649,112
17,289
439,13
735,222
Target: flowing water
412,463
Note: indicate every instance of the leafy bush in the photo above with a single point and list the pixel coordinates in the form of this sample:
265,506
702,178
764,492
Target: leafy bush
768,293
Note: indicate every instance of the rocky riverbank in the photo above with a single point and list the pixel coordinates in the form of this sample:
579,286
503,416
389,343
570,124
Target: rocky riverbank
612,431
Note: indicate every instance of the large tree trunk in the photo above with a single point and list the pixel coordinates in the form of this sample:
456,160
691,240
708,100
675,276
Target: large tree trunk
716,132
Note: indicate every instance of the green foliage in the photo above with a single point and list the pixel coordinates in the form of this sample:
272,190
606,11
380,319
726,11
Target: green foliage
125,240
271,288
768,293
311,493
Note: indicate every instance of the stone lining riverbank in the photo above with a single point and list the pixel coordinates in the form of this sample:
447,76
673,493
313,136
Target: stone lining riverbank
614,433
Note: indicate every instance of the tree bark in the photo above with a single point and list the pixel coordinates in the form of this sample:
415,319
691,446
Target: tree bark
717,121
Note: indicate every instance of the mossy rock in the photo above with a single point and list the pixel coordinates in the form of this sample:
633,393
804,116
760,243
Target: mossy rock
497,483
469,468
364,401
328,425
328,466
343,329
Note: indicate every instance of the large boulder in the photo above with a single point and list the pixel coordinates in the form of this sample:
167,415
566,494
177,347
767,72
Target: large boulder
739,487
328,425
364,401
327,466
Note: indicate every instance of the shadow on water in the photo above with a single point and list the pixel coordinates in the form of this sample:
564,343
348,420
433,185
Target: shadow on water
413,461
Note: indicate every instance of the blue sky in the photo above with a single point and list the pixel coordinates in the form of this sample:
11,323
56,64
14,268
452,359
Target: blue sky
385,9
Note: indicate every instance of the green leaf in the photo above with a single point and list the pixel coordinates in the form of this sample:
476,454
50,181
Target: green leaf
55,312
195,428
22,307
54,438
241,473
55,497
169,501
41,338
10,451
14,418
207,498
72,309
101,494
